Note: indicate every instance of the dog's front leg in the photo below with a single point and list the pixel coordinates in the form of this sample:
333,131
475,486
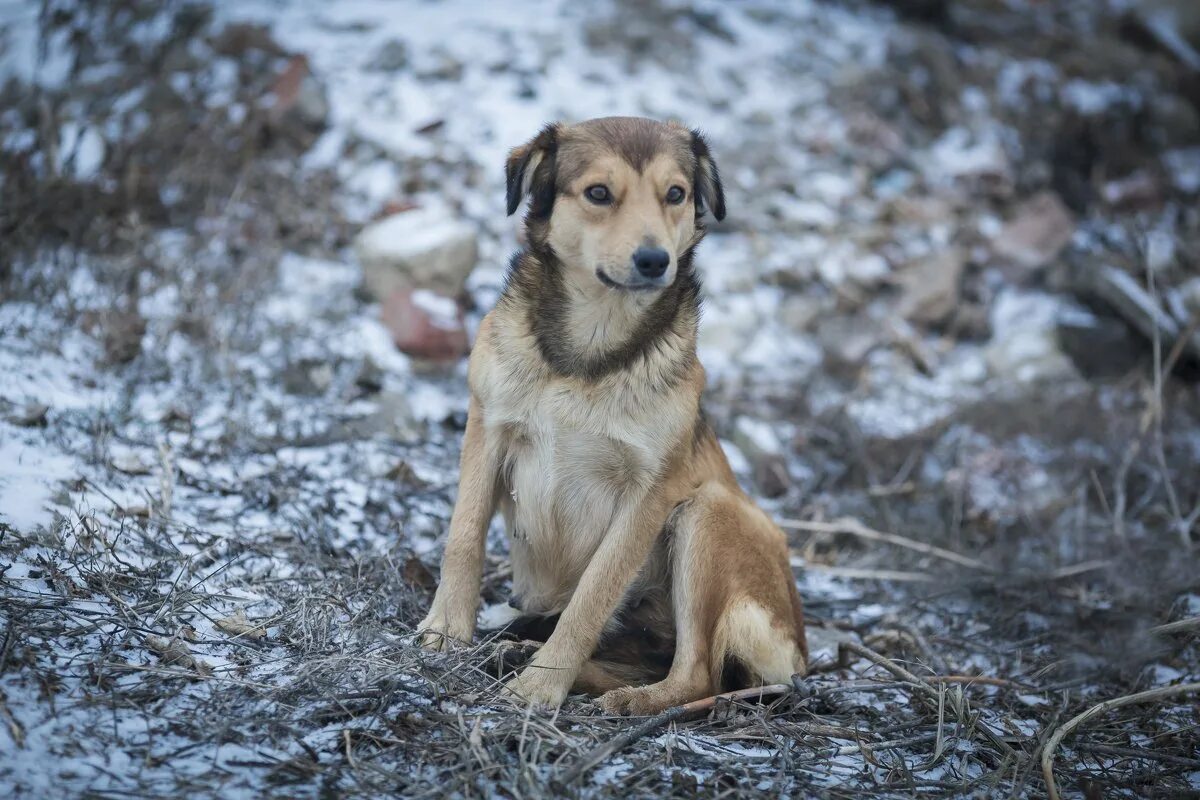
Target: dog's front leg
451,618
549,676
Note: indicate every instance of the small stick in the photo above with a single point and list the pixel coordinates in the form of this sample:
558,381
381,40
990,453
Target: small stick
982,680
856,528
859,573
630,736
1177,626
1127,700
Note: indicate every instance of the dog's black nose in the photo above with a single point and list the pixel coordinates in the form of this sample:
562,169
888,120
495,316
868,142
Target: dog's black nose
651,262
514,600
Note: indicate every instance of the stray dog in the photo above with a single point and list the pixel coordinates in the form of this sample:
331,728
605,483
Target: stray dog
663,580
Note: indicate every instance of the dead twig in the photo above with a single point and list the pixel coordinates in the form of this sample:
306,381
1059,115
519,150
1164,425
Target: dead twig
619,743
1178,626
1063,731
855,528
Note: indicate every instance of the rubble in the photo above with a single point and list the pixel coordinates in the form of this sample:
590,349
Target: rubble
425,324
423,248
1039,230
930,287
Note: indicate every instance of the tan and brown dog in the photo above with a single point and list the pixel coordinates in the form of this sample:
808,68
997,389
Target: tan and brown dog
585,430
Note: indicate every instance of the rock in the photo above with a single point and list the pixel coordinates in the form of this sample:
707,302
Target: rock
930,288
121,332
442,67
130,463
240,37
1037,233
961,156
391,57
298,104
31,415
1099,346
425,324
417,249
848,340
309,377
1119,291
761,447
1024,346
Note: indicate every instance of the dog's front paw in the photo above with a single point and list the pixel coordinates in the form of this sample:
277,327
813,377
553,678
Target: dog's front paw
441,631
539,687
636,701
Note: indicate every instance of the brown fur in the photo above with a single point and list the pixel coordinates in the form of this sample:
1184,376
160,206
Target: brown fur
585,431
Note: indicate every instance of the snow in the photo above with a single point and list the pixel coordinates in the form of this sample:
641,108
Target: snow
30,475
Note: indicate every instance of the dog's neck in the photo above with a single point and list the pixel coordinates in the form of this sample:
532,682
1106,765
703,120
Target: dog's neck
586,330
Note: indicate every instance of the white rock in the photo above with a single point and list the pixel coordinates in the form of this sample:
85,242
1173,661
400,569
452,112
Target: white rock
423,248
1025,345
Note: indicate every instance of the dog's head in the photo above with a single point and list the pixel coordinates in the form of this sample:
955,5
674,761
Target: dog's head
618,200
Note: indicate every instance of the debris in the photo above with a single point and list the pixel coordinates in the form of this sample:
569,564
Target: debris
392,56
929,288
175,652
425,324
1118,290
237,625
1039,230
1024,346
1099,346
130,463
30,415
419,249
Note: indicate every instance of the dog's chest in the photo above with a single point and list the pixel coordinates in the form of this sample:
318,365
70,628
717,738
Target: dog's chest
570,461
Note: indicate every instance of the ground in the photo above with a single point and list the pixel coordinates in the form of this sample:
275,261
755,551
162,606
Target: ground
950,327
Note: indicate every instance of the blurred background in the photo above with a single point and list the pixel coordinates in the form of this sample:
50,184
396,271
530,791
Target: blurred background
950,323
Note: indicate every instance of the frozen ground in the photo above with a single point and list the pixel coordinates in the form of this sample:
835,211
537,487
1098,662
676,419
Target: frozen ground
222,489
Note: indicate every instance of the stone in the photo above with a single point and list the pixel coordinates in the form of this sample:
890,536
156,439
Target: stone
1121,292
1039,230
392,56
930,287
1099,346
422,249
1025,346
425,324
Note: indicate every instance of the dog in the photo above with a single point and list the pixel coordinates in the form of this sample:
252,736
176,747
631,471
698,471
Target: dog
663,581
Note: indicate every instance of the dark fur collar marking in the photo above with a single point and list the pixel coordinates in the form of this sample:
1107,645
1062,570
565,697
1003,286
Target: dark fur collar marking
534,281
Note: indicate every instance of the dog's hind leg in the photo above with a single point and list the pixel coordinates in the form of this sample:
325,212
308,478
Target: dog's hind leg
734,600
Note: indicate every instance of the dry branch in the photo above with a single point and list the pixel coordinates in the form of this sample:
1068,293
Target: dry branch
855,528
1117,702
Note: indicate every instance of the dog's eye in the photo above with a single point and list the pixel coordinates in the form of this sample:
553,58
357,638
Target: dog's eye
598,194
675,195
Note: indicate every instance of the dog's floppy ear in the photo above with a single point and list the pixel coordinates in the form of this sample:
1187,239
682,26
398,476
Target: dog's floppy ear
530,170
707,180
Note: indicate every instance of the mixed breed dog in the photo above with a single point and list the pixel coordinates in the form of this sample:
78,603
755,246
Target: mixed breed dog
657,579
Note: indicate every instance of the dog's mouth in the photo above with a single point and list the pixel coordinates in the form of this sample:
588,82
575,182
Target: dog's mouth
640,285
